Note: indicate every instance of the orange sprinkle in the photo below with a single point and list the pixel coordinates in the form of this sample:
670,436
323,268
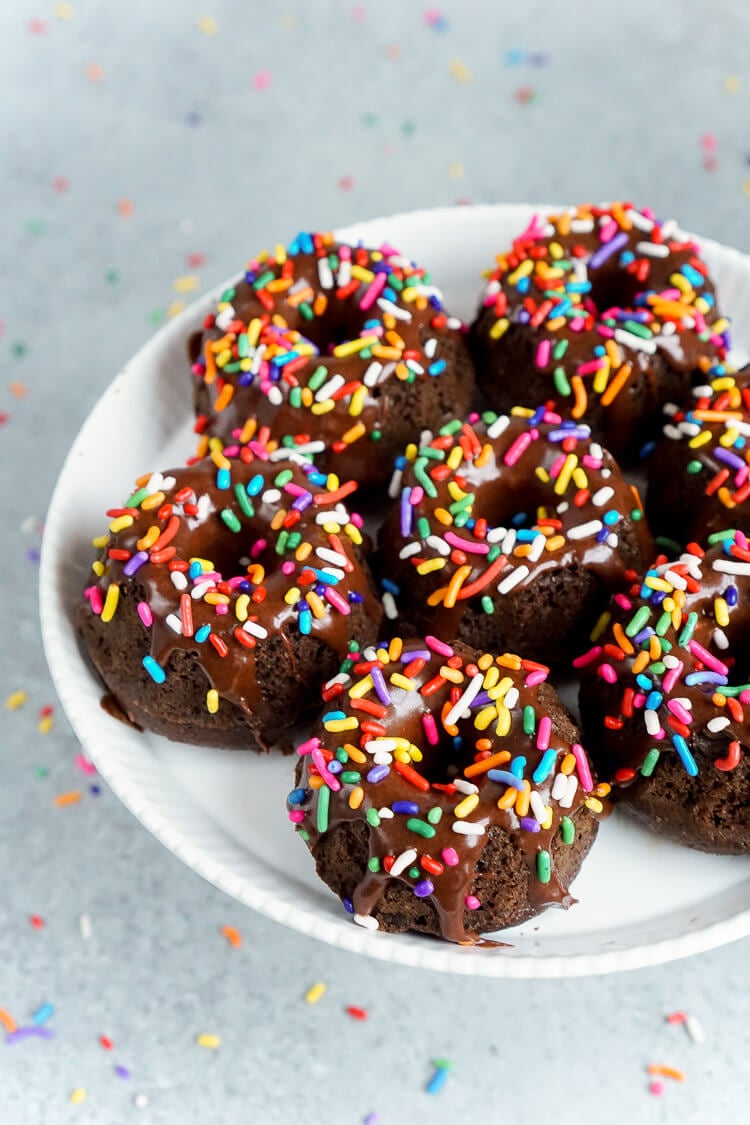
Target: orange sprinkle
616,384
6,1019
581,398
666,1072
71,798
233,936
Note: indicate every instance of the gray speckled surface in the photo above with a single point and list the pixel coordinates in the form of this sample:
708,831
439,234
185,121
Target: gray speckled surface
212,165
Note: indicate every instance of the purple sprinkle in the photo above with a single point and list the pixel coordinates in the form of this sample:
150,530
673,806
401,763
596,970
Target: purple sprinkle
26,1033
529,824
303,502
582,432
380,686
607,249
407,514
415,654
122,1072
348,905
506,778
728,457
134,564
424,888
377,773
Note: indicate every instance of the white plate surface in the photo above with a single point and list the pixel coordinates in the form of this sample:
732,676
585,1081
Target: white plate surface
642,900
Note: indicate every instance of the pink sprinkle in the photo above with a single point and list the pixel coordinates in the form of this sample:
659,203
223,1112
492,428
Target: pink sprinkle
590,367
145,614
587,657
308,746
430,729
577,324
534,678
334,597
417,495
608,231
373,291
287,567
607,672
542,353
84,764
584,773
545,729
745,696
358,13
346,183
94,595
450,857
262,80
707,658
639,699
440,647
470,546
604,331
332,782
296,816
472,902
656,1088
356,519
258,548
519,446
556,466
222,609
623,601
680,712
672,677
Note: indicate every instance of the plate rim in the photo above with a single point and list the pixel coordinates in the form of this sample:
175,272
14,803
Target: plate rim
59,645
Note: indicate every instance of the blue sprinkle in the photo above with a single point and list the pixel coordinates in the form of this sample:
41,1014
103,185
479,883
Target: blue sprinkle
223,478
438,1080
437,367
391,587
348,905
518,765
330,715
544,769
686,757
654,701
504,777
155,671
408,808
202,634
254,485
296,797
41,1015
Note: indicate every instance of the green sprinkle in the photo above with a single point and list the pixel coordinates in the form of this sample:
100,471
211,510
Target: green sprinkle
228,294
303,834
668,545
324,800
307,311
637,621
243,500
489,417
372,818
295,397
543,866
134,501
637,329
663,624
263,280
688,629
721,536
350,777
649,762
414,873
419,472
694,467
282,541
341,755
376,435
283,478
442,1064
373,864
636,515
423,527
567,831
41,771
487,604
560,349
529,719
435,815
560,379
452,427
233,368
493,553
420,827
318,378
230,519
111,277
294,540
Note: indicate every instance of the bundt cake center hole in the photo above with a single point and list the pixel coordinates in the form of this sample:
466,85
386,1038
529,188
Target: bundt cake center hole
613,288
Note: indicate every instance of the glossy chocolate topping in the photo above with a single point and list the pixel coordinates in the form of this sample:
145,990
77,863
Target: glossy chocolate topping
670,674
431,747
224,555
311,343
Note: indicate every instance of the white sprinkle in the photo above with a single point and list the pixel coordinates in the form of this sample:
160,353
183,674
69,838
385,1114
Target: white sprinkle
401,862
582,226
200,589
639,221
344,275
726,566
255,630
511,698
453,322
395,310
84,923
537,548
671,661
339,678
409,550
415,367
637,343
499,426
334,572
375,744
509,542
372,374
652,721
298,453
695,1030
225,317
271,496
718,724
537,805
329,388
468,828
602,496
174,623
720,639
325,274
385,813
466,700
438,544
389,606
140,1101
430,347
672,432
669,228
559,787
571,785
583,530
513,579
394,488
613,539
652,249
465,786
366,921
179,581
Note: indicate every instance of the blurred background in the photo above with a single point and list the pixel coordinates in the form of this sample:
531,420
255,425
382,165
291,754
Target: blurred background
148,149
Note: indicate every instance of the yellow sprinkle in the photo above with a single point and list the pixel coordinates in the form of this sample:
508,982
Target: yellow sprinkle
469,803
175,308
430,565
452,674
500,690
241,607
335,726
16,699
208,25
456,170
186,283
350,347
207,1040
357,401
153,501
459,70
212,700
721,612
120,523
317,992
65,12
361,688
732,84
403,682
46,724
354,433
565,474
100,541
499,328
98,568
503,721
353,532
292,595
323,407
592,803
485,717
78,1095
110,602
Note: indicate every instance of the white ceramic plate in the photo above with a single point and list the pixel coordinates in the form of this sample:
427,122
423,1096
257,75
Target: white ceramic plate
642,900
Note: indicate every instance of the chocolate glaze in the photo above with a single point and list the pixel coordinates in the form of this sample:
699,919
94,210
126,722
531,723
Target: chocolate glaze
615,290
441,764
502,490
204,535
620,753
381,405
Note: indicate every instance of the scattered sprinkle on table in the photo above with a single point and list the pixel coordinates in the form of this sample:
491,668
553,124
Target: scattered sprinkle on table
16,699
317,992
356,1013
140,1101
65,12
37,922
210,1042
94,72
125,207
41,1015
666,1072
186,283
440,1076
262,80
208,25
79,1095
233,936
460,70
62,800
7,1021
